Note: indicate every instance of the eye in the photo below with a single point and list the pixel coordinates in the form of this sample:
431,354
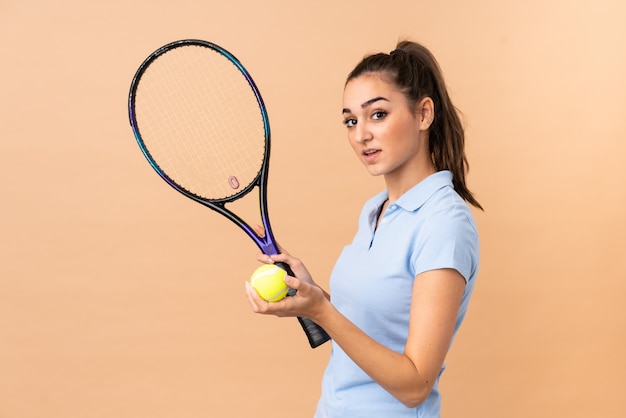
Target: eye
379,114
350,122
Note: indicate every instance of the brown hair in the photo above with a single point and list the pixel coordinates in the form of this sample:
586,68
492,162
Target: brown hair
413,69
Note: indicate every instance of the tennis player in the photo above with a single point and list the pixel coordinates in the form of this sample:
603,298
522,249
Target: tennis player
400,290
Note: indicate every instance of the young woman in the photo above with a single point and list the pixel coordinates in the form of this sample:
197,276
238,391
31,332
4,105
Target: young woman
400,290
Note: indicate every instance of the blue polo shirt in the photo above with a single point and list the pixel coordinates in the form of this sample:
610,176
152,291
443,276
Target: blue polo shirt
429,227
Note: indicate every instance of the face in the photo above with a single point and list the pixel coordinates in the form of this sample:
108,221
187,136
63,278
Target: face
388,137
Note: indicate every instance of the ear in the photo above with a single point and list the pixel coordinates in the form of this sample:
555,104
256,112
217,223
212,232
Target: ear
425,113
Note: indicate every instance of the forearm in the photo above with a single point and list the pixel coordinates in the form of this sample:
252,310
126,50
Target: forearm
394,371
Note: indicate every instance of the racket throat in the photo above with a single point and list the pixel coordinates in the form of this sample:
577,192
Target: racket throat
268,247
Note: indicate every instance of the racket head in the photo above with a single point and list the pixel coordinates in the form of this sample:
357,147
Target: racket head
200,121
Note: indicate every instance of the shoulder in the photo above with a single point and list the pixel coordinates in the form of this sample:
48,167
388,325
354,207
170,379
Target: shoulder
447,210
448,237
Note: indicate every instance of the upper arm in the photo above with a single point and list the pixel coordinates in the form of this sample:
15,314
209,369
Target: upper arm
436,299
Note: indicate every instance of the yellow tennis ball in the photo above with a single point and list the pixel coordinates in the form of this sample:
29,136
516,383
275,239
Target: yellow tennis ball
269,282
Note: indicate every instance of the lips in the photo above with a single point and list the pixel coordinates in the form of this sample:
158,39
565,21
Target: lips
370,154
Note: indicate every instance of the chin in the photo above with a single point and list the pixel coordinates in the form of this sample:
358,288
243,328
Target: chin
375,173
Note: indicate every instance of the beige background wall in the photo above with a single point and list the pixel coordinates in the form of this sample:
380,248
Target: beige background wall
120,298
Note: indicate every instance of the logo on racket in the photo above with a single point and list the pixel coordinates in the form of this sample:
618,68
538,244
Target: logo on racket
234,183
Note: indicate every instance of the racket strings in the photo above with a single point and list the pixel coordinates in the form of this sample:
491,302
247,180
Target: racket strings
201,122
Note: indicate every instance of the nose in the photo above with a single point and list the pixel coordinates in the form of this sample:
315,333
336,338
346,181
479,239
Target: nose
362,133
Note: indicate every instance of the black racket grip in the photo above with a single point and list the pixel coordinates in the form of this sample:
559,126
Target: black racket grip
315,334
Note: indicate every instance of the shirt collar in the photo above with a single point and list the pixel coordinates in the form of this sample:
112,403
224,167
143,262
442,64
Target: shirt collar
416,196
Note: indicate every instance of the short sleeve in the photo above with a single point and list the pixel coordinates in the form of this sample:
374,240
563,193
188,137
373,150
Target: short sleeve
447,240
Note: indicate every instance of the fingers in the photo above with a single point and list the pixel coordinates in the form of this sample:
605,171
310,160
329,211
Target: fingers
284,307
277,258
257,303
255,300
260,231
295,283
264,258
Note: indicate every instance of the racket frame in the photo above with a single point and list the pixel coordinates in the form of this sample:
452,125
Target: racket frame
267,243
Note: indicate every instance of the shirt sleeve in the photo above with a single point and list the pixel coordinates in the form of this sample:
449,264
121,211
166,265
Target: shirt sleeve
447,240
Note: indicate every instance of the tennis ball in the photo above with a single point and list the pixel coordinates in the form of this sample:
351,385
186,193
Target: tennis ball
269,282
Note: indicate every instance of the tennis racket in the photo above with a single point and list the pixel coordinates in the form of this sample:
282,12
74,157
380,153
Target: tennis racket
200,121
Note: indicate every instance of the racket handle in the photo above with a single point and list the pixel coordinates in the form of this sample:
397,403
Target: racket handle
315,334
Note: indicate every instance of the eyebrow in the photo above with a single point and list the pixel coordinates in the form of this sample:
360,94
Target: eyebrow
366,104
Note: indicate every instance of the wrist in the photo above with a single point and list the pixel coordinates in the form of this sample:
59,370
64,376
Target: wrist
324,314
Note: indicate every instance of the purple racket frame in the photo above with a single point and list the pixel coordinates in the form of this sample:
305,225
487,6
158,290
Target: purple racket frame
267,244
